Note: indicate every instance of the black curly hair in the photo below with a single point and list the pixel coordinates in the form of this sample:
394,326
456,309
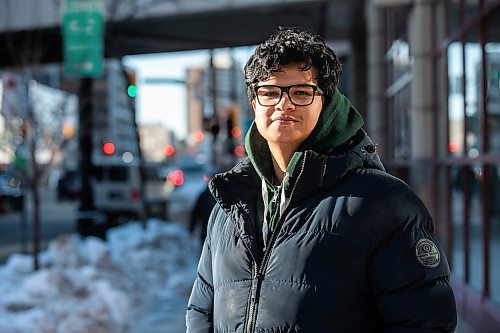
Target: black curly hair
290,44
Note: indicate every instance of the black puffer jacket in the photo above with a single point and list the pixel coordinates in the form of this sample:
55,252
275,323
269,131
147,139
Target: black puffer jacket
354,251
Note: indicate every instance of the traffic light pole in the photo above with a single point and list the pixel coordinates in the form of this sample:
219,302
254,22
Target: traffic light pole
87,208
215,119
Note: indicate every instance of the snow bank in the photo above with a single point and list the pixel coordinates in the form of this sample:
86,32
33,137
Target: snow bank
91,286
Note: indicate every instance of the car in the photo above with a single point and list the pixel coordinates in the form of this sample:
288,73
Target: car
11,193
157,192
69,186
117,191
121,193
187,170
116,195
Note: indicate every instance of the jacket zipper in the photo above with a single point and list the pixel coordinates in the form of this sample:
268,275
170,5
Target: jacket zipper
260,268
323,171
253,300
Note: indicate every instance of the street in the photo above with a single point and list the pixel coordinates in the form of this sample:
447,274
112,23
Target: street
56,218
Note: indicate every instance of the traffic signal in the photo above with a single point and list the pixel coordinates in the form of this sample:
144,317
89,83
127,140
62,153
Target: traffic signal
132,90
168,150
108,148
68,131
239,150
131,86
198,136
233,131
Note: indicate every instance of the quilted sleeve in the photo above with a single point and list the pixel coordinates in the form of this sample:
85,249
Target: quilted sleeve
200,306
408,270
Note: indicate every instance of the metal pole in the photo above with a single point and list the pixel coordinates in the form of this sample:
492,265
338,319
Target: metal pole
35,177
85,219
36,202
215,119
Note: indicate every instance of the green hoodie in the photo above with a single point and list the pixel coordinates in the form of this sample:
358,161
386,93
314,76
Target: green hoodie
337,122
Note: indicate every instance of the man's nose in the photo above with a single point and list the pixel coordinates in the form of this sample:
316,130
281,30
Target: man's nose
285,103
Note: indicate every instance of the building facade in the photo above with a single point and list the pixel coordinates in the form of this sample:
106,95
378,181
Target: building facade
434,108
218,104
153,140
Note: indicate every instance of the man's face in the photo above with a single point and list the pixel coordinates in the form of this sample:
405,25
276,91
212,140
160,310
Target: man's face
286,124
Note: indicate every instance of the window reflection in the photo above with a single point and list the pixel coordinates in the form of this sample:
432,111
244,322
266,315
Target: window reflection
472,77
457,219
467,222
456,99
494,200
399,70
453,15
492,51
493,95
476,268
401,124
471,9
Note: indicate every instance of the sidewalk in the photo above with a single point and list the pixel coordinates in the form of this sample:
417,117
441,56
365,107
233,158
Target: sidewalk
463,327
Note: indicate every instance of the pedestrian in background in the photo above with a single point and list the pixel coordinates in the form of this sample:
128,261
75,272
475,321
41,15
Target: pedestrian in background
201,212
309,233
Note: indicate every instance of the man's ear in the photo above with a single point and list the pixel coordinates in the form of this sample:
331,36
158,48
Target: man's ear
253,105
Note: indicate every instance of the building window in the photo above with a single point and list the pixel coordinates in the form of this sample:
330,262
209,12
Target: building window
492,75
456,113
473,54
473,73
453,14
493,95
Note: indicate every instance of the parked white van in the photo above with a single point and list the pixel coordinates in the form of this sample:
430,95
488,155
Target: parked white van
119,195
117,192
122,194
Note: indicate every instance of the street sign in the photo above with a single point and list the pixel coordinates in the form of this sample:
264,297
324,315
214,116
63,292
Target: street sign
83,29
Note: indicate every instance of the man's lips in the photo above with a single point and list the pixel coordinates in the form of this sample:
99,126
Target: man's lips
285,119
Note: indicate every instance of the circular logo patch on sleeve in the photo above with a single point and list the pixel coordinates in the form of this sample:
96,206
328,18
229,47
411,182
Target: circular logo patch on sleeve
427,253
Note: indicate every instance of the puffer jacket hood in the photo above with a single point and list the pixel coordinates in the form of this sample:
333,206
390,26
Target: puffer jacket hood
323,171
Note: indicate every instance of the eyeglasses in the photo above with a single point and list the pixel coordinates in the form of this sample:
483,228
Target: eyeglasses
299,94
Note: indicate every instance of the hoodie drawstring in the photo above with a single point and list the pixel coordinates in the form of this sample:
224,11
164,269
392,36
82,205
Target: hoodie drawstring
265,197
283,196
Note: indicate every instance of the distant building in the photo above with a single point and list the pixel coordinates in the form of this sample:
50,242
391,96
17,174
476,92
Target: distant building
230,115
113,115
153,140
6,151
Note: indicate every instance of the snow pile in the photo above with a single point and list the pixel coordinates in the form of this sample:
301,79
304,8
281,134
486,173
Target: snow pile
91,286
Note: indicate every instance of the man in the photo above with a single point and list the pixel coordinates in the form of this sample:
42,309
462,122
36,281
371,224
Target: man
309,234
201,212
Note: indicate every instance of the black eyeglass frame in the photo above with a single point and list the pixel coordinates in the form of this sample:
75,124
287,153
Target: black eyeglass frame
286,89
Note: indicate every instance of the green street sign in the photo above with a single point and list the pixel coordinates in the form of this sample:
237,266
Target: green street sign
83,28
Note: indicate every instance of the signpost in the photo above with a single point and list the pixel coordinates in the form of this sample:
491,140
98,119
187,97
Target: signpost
82,29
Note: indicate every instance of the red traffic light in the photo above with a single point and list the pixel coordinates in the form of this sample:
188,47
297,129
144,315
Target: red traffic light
198,136
176,177
168,150
108,148
239,151
235,132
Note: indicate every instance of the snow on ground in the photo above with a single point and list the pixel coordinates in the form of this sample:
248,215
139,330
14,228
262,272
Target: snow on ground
91,286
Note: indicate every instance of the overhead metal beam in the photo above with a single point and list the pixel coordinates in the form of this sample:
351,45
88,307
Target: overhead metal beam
238,26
